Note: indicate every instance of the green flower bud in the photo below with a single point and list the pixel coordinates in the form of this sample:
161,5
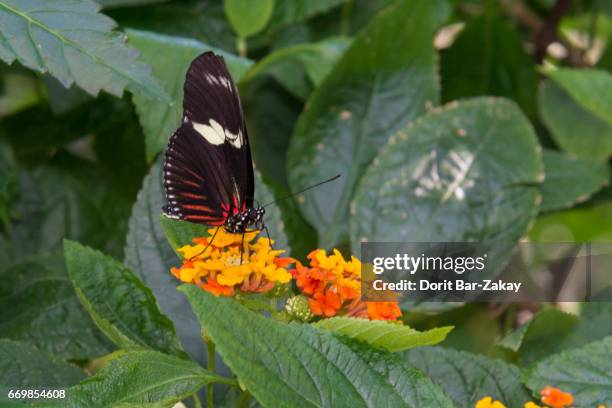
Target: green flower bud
297,307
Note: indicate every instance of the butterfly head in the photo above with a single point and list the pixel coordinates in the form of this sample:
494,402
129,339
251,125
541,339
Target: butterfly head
250,218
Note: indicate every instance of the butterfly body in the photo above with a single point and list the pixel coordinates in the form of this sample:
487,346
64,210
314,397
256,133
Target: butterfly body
242,221
208,171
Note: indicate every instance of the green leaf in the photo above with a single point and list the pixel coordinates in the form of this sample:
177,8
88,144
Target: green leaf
273,218
590,88
120,304
271,113
24,367
383,81
38,306
75,44
62,99
584,372
592,223
180,233
126,3
468,377
160,120
572,126
302,67
293,11
58,201
551,334
248,17
140,378
288,365
570,180
548,326
9,186
301,237
19,91
503,68
390,336
199,20
464,172
148,255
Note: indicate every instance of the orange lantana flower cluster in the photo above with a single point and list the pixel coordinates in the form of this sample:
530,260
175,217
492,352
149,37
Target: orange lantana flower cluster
333,288
552,397
555,398
222,267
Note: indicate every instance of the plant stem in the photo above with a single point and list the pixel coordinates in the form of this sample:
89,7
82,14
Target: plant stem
241,45
196,401
210,346
346,17
273,305
593,25
244,398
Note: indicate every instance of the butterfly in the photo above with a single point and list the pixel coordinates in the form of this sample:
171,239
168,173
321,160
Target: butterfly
208,170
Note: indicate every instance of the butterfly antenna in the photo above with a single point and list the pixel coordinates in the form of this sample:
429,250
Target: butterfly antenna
304,190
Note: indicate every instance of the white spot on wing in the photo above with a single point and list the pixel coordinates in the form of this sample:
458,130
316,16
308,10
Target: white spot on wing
211,79
235,140
215,134
219,81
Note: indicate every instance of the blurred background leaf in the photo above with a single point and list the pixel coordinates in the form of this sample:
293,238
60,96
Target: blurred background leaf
592,89
503,67
202,20
300,68
372,91
248,17
569,180
126,3
573,127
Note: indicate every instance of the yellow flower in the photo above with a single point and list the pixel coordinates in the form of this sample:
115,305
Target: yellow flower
531,405
223,266
488,402
191,251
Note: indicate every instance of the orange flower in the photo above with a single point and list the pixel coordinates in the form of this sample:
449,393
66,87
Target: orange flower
215,288
383,311
222,266
332,286
326,303
556,398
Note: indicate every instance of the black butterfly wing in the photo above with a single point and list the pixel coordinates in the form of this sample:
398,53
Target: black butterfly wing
208,172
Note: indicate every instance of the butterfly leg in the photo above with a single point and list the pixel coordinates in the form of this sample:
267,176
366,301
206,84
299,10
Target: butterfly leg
209,244
268,235
242,246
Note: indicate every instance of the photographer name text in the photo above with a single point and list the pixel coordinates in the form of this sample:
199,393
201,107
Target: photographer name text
459,285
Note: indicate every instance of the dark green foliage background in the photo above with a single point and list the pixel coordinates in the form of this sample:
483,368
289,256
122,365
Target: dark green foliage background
383,92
